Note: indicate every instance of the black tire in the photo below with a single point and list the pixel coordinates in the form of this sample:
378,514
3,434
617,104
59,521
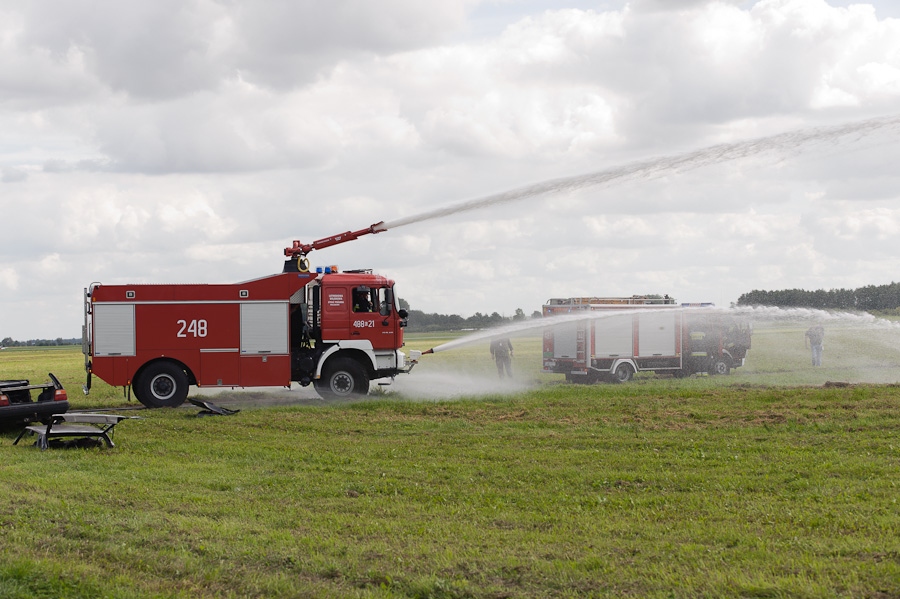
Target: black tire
623,373
162,385
721,366
341,378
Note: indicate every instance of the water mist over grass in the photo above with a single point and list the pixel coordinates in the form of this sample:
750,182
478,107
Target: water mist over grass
449,382
858,348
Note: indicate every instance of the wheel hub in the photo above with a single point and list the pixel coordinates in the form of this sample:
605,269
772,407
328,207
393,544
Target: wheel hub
342,383
162,386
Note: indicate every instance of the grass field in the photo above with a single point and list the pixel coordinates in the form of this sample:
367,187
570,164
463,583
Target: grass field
766,483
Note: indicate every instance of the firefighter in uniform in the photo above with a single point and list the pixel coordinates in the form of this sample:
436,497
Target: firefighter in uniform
815,340
361,303
502,351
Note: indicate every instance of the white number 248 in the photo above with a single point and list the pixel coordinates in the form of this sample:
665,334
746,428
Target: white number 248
196,328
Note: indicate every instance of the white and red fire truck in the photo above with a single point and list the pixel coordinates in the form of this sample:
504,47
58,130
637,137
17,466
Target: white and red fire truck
624,335
336,330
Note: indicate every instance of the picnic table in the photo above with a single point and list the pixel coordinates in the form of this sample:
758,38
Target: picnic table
75,424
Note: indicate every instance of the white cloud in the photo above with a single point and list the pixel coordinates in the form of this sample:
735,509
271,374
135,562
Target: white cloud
12,174
169,48
9,278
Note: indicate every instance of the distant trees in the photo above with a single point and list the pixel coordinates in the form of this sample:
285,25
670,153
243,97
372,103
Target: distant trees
866,299
10,342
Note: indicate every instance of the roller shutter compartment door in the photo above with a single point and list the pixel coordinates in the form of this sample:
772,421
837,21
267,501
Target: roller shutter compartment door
113,329
264,328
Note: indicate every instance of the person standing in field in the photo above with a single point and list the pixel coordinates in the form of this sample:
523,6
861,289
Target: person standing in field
815,340
502,351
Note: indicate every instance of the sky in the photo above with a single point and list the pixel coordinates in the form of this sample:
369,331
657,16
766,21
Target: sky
191,141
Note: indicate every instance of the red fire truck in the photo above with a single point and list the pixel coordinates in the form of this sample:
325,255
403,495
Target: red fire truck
336,330
625,335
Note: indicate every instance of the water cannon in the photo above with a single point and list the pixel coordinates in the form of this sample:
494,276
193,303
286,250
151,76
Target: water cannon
299,250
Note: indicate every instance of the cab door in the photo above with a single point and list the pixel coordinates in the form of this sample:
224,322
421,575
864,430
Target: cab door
391,320
364,319
335,313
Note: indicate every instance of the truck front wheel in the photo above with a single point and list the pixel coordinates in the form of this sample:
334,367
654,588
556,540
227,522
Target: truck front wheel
342,378
623,373
721,366
162,385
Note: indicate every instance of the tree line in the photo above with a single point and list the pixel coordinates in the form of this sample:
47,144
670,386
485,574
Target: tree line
10,342
871,298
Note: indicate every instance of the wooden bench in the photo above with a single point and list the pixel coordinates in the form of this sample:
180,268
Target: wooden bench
75,424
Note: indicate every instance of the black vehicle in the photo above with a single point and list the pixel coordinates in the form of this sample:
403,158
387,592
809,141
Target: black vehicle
16,404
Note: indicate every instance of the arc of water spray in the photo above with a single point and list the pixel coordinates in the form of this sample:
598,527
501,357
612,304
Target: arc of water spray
510,330
649,169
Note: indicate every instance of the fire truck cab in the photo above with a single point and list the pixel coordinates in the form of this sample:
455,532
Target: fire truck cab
335,330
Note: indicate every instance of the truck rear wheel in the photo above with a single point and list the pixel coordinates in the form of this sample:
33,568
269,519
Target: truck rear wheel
623,373
342,378
162,385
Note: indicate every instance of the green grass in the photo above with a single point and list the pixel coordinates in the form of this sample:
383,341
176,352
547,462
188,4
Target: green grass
762,484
